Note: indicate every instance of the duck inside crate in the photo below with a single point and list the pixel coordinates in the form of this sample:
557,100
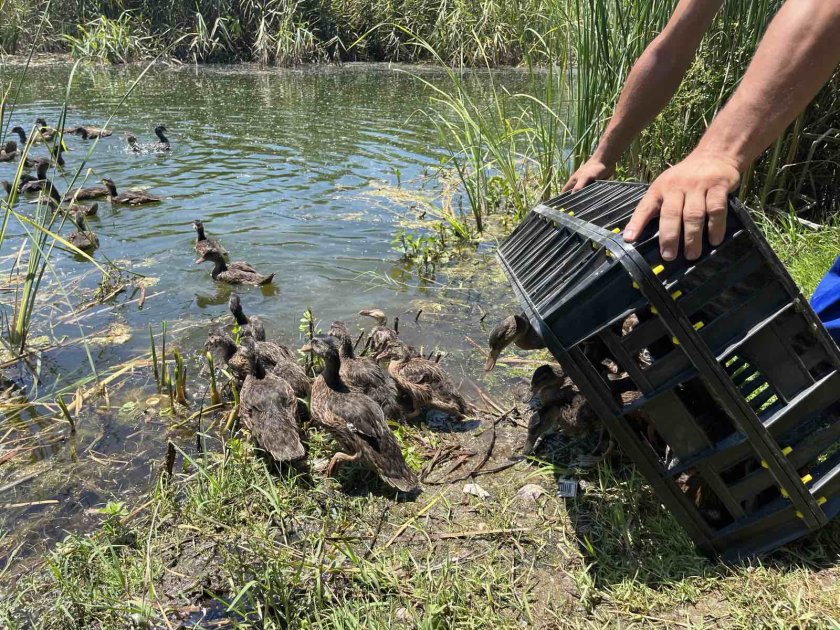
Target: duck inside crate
715,376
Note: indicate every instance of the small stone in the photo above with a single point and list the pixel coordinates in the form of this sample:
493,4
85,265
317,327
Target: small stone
477,491
531,492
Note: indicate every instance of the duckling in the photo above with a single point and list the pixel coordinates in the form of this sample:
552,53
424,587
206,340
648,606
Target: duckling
89,132
364,375
128,197
41,183
82,239
235,273
248,326
275,357
380,335
424,382
356,421
202,243
514,329
267,405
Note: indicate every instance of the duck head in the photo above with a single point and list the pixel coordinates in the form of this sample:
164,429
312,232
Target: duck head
20,133
11,147
339,330
502,336
159,133
395,351
41,167
198,226
40,122
376,314
79,220
7,186
323,346
221,346
235,305
547,375
211,255
245,361
110,185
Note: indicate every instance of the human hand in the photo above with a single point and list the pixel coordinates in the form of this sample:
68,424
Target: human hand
683,196
591,170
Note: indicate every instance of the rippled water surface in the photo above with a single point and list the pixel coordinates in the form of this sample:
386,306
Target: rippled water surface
283,166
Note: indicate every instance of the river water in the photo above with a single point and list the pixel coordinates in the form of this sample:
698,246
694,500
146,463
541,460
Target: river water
295,171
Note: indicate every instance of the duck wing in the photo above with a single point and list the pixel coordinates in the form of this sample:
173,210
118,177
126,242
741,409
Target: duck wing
365,421
268,407
240,265
366,376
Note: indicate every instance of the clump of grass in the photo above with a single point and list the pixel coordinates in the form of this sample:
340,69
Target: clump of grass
119,40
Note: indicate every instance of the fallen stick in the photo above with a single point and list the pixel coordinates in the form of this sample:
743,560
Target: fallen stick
8,506
478,532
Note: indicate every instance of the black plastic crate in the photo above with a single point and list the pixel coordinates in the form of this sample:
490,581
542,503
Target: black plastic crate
737,425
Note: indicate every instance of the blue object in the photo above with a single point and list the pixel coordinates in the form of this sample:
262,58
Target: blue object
826,300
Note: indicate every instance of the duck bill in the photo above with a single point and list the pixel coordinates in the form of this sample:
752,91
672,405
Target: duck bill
490,363
200,260
381,356
306,348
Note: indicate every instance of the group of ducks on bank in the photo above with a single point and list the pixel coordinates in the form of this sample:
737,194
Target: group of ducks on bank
39,183
351,398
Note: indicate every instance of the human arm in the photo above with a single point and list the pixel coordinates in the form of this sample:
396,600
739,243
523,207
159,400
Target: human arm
652,82
798,53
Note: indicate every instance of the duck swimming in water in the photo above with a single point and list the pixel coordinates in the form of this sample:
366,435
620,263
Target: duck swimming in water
356,421
43,132
424,382
89,132
128,197
87,211
365,375
202,243
90,192
267,405
514,329
83,238
235,272
9,152
248,326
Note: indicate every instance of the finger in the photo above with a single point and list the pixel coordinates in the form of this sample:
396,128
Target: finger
694,220
716,206
570,184
670,222
582,182
647,209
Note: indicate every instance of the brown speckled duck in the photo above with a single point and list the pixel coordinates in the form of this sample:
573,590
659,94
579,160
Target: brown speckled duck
128,197
248,326
235,272
73,208
204,244
364,375
83,238
89,132
9,152
267,405
42,131
380,335
424,382
514,329
356,421
275,357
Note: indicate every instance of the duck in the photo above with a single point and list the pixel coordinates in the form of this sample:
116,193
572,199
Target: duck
235,272
275,357
21,134
163,141
40,183
44,132
515,329
356,421
380,335
9,152
202,243
558,406
128,197
83,238
424,382
89,132
87,211
91,192
365,375
268,406
133,147
248,326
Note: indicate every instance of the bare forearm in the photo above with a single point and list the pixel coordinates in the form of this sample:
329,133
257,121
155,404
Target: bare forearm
798,53
656,76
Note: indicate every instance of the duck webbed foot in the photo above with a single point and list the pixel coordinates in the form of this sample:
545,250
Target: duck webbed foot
340,458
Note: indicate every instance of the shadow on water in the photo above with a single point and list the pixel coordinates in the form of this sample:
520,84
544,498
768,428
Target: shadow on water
284,167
